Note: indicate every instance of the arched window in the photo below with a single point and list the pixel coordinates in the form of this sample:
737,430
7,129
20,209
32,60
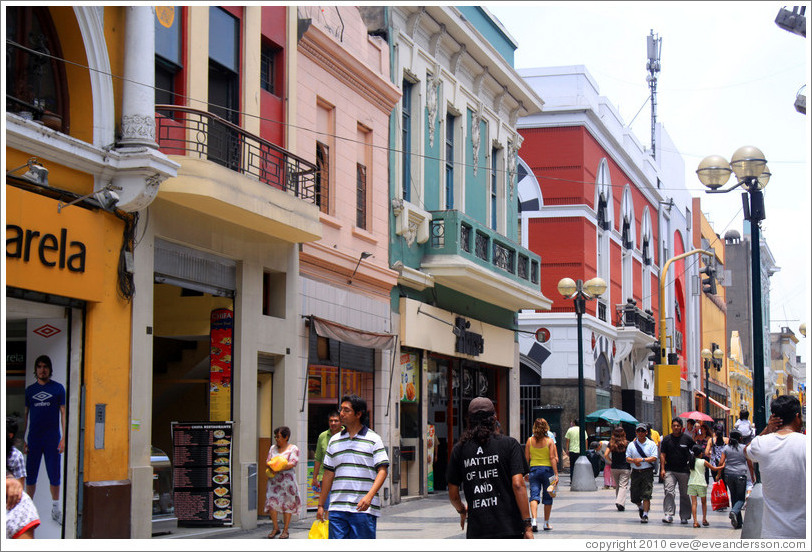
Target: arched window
35,78
645,237
603,212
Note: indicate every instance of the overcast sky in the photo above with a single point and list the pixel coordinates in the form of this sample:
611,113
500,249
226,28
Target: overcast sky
729,77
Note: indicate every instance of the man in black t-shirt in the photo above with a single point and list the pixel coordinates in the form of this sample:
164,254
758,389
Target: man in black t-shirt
490,467
675,455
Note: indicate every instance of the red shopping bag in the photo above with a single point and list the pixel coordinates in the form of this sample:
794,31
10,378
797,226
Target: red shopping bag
719,496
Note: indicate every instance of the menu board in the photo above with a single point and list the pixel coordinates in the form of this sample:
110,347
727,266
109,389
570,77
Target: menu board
201,460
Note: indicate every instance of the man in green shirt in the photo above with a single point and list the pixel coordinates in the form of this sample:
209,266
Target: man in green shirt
572,443
334,422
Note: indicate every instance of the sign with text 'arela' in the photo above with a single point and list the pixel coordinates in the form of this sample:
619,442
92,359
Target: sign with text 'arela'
55,252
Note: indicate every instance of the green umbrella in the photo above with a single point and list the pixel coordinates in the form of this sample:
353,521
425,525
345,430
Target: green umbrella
611,415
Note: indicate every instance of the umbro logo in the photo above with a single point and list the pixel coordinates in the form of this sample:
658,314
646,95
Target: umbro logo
47,331
42,396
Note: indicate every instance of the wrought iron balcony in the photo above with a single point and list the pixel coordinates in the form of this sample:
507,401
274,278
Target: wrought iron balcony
474,259
630,316
195,133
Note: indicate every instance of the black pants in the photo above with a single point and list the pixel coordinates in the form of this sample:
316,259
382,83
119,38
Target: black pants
573,457
737,489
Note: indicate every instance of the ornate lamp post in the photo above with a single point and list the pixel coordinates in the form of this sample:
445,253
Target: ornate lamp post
580,292
752,174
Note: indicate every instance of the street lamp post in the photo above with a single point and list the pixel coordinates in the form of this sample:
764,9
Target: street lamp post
707,360
580,292
752,174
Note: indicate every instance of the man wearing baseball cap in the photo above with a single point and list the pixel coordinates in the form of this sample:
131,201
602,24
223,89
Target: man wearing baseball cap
641,454
490,467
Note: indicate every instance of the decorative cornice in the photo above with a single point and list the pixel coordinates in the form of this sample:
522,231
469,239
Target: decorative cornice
336,60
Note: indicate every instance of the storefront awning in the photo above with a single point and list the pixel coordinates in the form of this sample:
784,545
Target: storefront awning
353,336
714,401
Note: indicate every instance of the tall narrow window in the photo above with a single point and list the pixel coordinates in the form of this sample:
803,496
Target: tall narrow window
494,188
322,177
363,160
450,122
361,196
406,145
224,83
168,62
268,68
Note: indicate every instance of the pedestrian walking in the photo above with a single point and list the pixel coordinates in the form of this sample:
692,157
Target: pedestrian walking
596,458
701,439
675,456
355,467
715,446
21,514
490,468
737,469
780,451
334,426
616,459
572,444
541,455
697,486
282,494
641,454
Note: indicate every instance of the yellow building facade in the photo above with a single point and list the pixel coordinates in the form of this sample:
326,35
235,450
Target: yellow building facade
713,374
77,172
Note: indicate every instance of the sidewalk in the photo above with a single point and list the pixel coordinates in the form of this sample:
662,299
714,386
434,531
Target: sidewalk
575,515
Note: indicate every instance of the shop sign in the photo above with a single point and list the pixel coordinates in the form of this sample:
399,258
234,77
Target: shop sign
221,336
468,342
51,252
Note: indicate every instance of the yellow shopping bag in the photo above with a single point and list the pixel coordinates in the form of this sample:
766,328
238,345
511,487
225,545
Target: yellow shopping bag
319,530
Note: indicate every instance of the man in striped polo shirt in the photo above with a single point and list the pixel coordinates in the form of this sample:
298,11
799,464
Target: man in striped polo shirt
355,467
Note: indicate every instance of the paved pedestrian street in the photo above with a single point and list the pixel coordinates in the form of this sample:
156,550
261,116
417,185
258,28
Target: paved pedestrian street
575,515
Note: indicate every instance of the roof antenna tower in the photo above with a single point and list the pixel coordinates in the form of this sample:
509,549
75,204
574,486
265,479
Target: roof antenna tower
654,46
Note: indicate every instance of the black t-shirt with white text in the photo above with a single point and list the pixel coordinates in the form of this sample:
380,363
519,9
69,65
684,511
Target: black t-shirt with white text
485,473
677,453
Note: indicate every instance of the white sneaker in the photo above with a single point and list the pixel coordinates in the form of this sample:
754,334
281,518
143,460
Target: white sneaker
56,515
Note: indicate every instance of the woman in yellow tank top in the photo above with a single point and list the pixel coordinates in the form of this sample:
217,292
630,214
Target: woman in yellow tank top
542,456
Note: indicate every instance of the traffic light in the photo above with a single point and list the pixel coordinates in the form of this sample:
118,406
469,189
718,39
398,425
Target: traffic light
656,353
709,283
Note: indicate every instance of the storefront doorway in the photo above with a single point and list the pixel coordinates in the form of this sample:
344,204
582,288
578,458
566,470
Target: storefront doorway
34,329
335,368
452,385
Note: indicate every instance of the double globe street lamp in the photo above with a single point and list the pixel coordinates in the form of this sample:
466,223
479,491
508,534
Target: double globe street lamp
710,358
580,291
750,167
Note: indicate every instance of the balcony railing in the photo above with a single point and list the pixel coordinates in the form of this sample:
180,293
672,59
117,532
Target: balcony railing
196,133
453,233
629,315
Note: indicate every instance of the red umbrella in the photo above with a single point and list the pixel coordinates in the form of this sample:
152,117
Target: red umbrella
696,415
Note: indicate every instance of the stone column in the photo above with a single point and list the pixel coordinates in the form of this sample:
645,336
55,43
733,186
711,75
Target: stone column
138,94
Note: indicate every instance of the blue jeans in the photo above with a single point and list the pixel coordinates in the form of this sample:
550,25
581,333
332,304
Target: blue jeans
539,481
737,488
352,525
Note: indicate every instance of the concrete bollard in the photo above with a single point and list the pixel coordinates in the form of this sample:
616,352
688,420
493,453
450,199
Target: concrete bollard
751,525
583,479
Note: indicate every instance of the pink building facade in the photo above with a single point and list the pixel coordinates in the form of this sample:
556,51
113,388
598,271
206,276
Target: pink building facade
344,99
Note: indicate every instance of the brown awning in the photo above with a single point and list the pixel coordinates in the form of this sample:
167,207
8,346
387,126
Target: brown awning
353,336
